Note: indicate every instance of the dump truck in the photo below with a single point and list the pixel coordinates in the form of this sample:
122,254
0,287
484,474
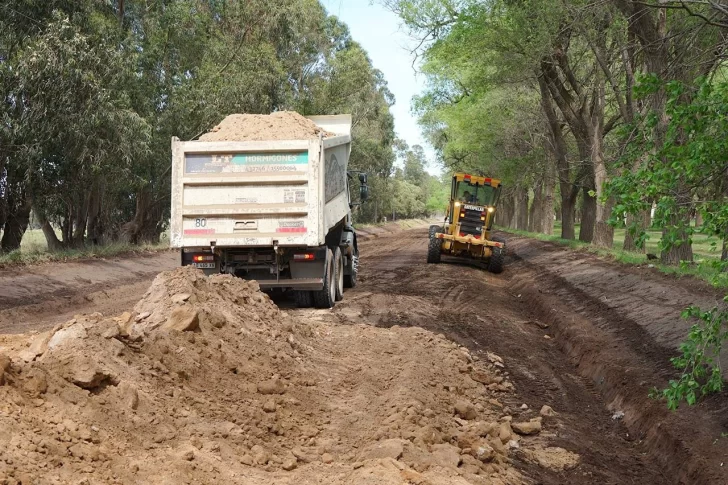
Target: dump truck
465,233
277,212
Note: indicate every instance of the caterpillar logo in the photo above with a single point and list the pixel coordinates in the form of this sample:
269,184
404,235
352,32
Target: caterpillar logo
474,208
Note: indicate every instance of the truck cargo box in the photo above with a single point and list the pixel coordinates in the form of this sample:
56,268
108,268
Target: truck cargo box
261,193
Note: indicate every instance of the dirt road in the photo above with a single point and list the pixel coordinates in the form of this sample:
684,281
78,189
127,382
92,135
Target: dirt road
586,337
39,297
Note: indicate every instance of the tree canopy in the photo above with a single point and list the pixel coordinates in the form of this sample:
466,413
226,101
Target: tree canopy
94,91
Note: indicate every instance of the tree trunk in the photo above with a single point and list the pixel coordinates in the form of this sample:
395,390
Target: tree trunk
80,220
513,211
559,148
588,215
145,226
15,225
547,202
682,250
603,232
535,212
93,226
568,216
642,222
504,211
52,241
521,215
3,190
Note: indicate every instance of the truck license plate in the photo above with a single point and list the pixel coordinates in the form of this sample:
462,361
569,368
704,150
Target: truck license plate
204,265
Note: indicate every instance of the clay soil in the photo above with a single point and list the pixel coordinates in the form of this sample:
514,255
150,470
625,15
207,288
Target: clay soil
423,374
282,125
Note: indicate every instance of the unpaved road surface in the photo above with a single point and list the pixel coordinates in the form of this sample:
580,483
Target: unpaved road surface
39,297
588,338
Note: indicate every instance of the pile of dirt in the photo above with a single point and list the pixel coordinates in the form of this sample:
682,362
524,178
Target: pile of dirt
282,125
207,381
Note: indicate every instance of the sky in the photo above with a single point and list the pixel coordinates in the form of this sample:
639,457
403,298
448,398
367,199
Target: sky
379,31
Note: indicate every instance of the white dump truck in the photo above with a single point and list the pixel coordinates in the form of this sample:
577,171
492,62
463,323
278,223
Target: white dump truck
278,212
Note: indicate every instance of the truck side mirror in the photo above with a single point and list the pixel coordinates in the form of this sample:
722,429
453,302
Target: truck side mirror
363,178
363,191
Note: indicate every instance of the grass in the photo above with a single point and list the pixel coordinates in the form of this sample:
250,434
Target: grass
707,265
34,250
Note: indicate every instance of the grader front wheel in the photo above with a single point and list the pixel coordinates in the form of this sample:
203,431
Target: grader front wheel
497,259
433,250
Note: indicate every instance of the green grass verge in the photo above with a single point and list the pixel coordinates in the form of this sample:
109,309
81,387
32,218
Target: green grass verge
707,265
34,250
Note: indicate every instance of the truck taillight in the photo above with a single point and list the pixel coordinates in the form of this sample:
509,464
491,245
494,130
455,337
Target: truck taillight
304,257
202,258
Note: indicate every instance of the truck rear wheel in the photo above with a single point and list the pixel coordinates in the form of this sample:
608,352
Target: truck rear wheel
303,299
433,250
497,259
339,274
326,296
350,279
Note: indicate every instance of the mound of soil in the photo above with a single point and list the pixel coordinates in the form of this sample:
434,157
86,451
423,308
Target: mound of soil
207,381
282,125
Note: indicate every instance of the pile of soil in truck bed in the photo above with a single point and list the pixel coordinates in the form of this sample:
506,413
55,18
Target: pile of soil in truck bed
207,381
282,125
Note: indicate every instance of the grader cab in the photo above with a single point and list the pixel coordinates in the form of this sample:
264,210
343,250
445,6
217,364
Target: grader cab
466,230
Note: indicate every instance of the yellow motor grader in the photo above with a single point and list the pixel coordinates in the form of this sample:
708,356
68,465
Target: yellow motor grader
466,230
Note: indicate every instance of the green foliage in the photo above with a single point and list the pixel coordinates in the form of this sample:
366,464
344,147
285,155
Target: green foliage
416,193
700,359
692,162
348,83
93,94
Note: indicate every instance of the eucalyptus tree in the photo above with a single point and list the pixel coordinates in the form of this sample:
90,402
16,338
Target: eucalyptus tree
93,92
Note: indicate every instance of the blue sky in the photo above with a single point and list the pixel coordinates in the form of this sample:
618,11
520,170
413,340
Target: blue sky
378,30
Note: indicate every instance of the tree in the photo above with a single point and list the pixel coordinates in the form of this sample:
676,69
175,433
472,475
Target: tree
124,77
679,47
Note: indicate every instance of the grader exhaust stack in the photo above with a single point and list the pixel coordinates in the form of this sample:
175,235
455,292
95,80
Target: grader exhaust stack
470,215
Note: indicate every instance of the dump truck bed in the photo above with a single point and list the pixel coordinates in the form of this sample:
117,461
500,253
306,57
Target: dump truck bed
260,193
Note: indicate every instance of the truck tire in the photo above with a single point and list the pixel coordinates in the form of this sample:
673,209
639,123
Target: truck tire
497,259
303,299
350,279
433,229
326,296
434,250
339,274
